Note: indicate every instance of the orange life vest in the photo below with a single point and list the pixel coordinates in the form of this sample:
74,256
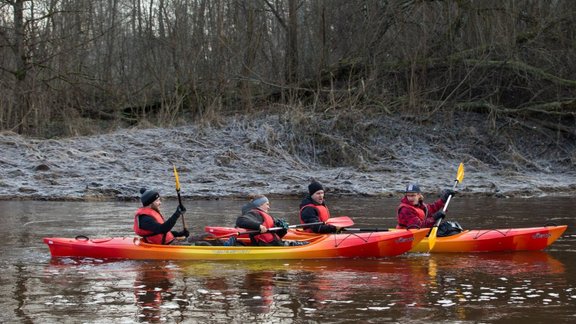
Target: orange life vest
323,214
149,236
269,223
419,211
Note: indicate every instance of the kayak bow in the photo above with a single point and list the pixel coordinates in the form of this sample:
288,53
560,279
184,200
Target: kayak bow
493,240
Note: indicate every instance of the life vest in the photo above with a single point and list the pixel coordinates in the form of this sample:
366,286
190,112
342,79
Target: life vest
269,223
149,236
323,214
422,213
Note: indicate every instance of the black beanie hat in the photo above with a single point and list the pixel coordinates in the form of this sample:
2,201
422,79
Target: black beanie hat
313,187
148,196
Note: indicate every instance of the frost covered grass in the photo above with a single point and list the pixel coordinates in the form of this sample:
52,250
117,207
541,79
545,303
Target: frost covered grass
278,154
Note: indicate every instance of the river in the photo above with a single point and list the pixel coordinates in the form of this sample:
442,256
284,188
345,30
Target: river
527,287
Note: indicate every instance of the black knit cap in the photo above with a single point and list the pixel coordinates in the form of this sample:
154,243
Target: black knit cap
313,187
148,196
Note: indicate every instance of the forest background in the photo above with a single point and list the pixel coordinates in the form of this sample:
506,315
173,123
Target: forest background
364,95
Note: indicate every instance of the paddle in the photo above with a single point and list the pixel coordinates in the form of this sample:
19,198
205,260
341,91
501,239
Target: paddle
178,192
342,221
434,232
365,229
233,231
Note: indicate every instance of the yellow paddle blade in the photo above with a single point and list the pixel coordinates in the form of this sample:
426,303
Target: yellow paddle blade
177,180
460,174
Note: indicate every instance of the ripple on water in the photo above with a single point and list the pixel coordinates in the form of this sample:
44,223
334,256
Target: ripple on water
375,308
446,302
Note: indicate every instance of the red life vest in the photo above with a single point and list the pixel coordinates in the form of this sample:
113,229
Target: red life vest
149,236
269,223
419,211
323,214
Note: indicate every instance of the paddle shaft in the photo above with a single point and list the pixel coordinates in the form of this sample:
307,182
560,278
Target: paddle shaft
449,197
365,229
271,229
342,221
446,204
180,204
177,179
434,230
347,229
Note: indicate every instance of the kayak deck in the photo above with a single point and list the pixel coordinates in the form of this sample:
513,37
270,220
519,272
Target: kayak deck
367,245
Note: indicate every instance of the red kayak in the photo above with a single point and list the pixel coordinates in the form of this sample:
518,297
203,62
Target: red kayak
492,240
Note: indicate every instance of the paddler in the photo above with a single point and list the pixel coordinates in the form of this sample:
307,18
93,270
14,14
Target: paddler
313,209
413,212
255,217
150,224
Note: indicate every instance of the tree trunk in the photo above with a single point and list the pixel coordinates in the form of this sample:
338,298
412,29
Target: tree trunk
20,96
249,56
292,43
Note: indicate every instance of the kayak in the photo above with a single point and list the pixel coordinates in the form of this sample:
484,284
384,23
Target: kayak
364,245
481,240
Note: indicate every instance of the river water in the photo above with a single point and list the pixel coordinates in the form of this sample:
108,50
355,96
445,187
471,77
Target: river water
531,287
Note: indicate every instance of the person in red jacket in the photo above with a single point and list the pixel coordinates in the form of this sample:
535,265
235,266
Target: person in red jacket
255,217
413,212
150,223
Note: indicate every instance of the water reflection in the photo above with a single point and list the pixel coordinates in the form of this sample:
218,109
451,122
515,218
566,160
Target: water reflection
152,288
499,264
489,287
464,283
258,291
403,287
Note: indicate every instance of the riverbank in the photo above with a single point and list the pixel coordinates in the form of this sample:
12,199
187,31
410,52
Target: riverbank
243,156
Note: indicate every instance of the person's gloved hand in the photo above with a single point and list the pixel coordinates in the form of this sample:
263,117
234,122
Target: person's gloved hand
446,193
281,223
184,233
181,209
281,233
439,215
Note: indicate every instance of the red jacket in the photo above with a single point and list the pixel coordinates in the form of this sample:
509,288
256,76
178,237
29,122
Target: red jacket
419,216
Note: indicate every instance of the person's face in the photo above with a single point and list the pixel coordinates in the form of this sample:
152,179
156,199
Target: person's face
265,207
156,204
414,198
318,196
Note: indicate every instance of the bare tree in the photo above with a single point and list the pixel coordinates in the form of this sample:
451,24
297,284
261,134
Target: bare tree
68,63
